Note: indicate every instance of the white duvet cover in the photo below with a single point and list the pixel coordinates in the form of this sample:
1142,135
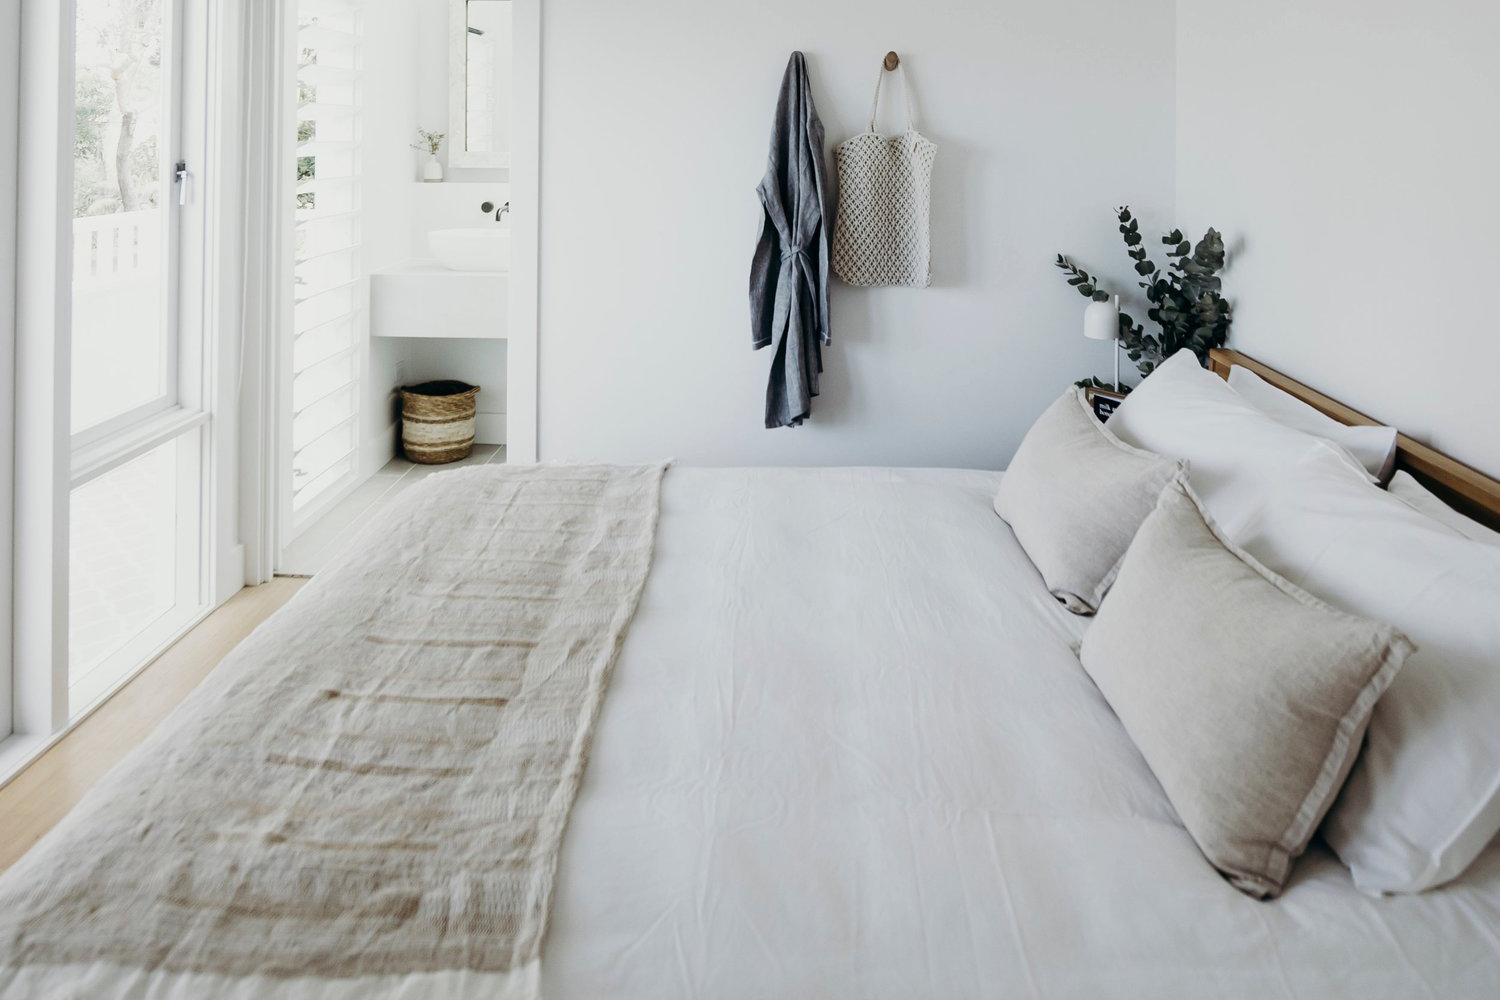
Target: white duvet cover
849,751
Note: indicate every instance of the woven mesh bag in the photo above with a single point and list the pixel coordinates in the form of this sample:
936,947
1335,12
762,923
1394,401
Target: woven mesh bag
885,204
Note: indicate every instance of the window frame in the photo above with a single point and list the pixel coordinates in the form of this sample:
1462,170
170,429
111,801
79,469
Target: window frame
10,109
113,443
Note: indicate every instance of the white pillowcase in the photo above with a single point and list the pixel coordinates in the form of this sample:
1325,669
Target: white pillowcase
1373,447
1424,799
1414,493
1233,450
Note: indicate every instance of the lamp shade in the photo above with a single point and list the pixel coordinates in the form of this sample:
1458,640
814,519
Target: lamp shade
1101,320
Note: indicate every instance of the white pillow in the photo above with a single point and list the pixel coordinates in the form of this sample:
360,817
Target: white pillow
1372,446
1233,450
1424,798
1414,493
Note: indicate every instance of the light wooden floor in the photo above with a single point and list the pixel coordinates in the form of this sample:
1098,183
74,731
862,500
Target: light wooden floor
43,794
317,544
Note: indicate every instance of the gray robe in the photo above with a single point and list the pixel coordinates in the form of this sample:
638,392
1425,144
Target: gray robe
789,274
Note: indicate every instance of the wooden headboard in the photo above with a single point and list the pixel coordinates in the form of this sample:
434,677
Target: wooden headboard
1461,487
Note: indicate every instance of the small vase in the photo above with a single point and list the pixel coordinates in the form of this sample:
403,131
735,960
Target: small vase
432,173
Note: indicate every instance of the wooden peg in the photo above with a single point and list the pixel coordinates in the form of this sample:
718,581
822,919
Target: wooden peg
892,60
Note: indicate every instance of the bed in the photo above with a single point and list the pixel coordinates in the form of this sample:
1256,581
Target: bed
893,779
848,750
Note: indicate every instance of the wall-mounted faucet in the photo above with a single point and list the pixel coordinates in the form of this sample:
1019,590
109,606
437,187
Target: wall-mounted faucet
489,206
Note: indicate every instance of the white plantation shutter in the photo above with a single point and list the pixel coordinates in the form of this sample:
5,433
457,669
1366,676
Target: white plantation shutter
328,318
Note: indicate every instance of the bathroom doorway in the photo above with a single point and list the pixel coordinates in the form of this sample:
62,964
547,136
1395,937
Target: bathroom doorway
405,251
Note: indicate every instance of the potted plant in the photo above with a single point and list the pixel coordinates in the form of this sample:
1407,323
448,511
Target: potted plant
431,143
1185,300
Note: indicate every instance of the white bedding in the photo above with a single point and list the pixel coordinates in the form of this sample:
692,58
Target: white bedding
849,751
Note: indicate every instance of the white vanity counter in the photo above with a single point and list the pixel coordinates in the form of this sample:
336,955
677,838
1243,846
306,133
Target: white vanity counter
422,298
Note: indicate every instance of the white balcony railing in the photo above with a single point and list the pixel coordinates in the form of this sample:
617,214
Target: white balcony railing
109,248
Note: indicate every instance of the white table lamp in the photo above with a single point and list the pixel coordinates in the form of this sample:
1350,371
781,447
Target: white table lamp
1101,321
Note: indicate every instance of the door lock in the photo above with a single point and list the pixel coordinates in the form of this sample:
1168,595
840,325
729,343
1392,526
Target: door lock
183,178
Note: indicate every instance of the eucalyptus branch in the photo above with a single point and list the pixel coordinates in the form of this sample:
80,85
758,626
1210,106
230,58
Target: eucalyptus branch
1185,301
1086,284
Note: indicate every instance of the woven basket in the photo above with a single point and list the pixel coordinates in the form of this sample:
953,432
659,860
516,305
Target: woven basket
437,421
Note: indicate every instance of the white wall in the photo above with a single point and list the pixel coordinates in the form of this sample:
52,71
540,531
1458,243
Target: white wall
478,362
389,126
1350,152
656,117
455,204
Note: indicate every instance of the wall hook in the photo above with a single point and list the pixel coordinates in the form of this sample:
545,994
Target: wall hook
892,60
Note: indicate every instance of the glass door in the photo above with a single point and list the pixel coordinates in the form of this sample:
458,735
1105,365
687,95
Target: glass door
135,514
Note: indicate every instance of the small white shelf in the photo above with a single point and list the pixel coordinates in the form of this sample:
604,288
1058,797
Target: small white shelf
423,299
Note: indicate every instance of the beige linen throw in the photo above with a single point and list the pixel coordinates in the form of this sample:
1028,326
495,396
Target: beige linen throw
368,796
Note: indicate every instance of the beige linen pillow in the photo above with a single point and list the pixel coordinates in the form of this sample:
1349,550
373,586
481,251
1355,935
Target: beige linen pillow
1247,696
1074,495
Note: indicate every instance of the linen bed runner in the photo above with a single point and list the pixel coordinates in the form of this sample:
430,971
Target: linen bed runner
367,797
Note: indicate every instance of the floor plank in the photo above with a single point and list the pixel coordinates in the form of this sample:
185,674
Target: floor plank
43,794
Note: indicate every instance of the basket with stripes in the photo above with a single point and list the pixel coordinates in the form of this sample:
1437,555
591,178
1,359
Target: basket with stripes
437,421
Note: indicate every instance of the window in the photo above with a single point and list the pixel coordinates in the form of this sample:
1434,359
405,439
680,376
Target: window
132,548
123,329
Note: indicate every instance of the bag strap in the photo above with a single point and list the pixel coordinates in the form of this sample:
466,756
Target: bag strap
911,117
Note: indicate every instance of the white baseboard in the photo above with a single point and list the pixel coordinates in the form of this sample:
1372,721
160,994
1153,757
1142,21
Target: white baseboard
376,451
230,573
20,750
489,428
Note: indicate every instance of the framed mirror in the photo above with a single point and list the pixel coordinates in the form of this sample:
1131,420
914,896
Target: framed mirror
479,64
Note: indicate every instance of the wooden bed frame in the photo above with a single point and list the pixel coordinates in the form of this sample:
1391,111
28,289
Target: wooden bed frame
1465,489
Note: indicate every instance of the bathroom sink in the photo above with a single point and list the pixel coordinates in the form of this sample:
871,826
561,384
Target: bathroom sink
471,249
